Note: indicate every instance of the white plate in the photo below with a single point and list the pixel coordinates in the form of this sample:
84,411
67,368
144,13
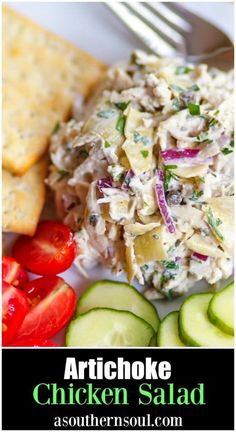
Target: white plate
92,27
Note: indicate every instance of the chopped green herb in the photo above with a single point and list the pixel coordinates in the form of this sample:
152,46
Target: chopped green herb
214,223
201,179
203,137
107,144
120,125
180,70
226,151
140,138
122,105
168,176
196,195
232,139
205,232
170,294
176,88
170,250
119,177
172,265
216,112
136,137
83,154
195,87
145,267
166,276
105,114
170,167
212,122
194,109
56,128
167,179
177,243
63,174
144,153
176,104
145,203
163,279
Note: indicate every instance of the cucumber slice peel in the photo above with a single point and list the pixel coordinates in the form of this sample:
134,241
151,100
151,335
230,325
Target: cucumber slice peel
195,327
120,296
168,333
103,327
221,309
153,341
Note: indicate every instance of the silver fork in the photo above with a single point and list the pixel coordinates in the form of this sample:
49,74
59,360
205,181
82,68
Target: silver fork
168,29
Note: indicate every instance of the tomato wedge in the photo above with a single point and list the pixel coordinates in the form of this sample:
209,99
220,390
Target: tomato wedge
37,289
53,304
50,251
33,343
15,306
13,272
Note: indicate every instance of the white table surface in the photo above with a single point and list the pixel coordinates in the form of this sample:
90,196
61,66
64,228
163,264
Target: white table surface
92,27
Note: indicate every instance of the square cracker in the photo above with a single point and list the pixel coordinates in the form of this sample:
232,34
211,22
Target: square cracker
42,75
23,198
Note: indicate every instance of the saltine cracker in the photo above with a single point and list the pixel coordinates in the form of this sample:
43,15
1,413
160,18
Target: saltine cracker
23,198
42,75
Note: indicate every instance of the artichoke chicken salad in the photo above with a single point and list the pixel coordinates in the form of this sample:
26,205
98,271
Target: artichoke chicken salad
143,174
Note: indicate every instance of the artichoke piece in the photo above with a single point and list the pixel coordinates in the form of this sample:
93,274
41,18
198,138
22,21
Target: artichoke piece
105,212
134,122
204,246
148,219
103,122
124,162
168,74
149,206
220,218
135,127
119,210
123,159
139,142
130,263
150,246
139,156
193,171
137,229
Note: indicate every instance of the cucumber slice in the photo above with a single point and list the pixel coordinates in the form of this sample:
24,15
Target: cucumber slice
221,309
118,295
168,333
108,328
195,327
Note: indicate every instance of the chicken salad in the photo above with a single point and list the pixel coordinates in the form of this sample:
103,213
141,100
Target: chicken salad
143,174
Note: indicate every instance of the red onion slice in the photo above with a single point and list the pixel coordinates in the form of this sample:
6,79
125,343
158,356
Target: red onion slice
173,154
199,256
161,200
104,183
